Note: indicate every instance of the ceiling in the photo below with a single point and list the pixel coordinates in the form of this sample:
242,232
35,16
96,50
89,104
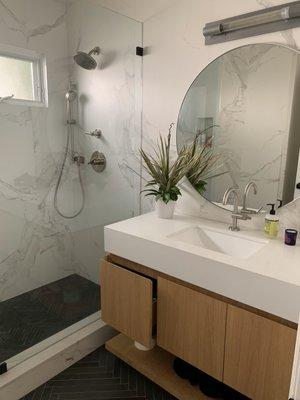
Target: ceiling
140,10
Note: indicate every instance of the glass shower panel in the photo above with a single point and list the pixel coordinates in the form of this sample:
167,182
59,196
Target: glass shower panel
49,265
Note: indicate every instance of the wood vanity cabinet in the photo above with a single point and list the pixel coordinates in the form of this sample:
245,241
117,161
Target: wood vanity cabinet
258,355
127,302
247,349
191,326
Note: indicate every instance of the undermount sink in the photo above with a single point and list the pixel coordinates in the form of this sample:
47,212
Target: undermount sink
221,242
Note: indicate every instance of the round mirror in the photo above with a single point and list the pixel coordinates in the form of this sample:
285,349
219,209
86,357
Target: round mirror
241,116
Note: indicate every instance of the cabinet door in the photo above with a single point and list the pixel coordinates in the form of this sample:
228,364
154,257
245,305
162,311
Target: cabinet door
295,382
191,326
126,302
258,355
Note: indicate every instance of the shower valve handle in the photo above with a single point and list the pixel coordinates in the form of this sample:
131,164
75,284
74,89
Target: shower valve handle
98,161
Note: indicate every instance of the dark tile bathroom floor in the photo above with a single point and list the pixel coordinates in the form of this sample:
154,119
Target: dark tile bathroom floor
31,317
99,376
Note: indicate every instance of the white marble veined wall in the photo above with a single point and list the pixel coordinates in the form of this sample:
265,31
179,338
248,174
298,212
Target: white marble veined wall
37,246
176,55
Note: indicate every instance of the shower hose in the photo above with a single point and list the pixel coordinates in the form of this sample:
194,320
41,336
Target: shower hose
60,179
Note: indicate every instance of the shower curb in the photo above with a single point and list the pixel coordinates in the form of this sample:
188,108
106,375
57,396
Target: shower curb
35,371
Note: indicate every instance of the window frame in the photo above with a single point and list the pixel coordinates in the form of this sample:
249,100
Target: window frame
39,71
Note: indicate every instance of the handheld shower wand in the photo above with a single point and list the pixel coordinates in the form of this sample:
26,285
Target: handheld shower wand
71,95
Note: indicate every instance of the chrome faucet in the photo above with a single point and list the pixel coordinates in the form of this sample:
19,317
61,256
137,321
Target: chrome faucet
245,211
243,214
235,213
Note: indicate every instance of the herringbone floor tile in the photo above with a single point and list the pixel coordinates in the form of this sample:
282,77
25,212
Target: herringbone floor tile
100,376
29,318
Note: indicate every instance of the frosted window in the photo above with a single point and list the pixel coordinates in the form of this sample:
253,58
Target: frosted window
23,77
17,78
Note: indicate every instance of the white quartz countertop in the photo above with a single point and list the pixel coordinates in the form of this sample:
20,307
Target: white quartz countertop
268,280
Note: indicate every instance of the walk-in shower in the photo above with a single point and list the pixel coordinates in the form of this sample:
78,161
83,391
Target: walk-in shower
49,265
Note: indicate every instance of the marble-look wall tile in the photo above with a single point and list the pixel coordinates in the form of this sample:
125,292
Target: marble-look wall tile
37,250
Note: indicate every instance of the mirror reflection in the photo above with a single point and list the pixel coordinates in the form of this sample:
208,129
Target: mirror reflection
243,110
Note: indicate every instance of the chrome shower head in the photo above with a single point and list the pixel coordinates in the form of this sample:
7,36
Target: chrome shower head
85,60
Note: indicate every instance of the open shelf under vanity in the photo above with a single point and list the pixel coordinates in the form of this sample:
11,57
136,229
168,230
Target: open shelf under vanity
155,364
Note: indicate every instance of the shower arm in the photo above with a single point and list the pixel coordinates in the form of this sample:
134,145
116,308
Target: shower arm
94,51
97,133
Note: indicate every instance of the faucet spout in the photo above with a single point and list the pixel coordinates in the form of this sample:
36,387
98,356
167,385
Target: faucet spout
235,213
248,187
231,191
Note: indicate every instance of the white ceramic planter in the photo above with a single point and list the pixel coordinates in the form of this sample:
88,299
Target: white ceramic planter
163,210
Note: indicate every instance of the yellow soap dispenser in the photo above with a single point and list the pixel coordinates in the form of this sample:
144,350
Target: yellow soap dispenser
272,223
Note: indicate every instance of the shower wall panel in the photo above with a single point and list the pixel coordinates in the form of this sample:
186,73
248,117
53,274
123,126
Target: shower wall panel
35,244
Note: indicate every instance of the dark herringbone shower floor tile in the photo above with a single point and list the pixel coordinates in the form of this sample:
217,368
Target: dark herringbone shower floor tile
99,376
29,318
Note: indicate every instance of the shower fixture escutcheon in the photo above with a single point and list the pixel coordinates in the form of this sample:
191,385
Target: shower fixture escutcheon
98,161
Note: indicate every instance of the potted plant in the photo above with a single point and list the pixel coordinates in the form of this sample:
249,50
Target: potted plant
165,175
195,160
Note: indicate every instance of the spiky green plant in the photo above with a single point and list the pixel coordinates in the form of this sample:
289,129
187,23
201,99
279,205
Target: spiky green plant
166,174
195,160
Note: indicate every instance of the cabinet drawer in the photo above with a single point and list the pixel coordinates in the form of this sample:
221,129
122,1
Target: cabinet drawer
258,355
191,325
127,302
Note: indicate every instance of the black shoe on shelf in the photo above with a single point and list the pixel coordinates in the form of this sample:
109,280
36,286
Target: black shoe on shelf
210,386
181,368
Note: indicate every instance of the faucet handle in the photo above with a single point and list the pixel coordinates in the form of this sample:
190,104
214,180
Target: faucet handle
245,214
248,211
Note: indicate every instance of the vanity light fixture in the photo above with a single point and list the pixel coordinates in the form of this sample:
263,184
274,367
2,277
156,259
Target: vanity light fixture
272,19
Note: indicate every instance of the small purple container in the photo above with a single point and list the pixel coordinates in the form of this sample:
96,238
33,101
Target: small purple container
290,237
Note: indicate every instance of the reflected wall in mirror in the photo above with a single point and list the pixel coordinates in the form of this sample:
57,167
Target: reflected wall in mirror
247,103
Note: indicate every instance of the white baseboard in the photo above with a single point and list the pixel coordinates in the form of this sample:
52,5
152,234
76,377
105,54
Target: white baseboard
30,374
